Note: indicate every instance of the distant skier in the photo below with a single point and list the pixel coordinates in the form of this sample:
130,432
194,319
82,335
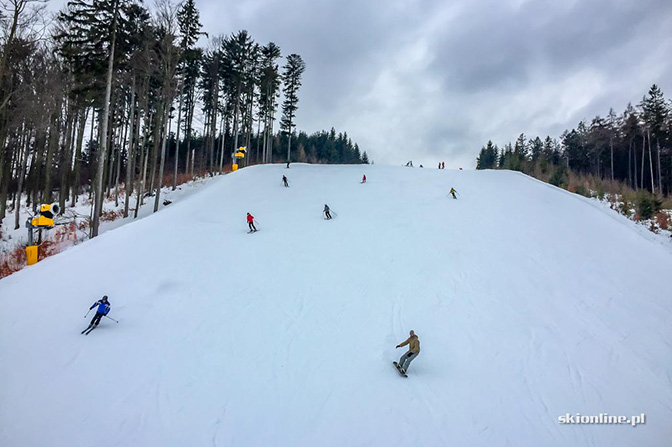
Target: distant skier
453,192
250,223
413,350
288,165
284,180
327,211
364,179
409,164
421,166
443,165
103,309
439,165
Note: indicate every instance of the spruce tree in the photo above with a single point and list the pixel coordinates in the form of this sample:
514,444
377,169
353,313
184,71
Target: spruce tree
269,87
291,77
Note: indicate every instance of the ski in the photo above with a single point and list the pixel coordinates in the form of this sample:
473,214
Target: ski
86,329
89,331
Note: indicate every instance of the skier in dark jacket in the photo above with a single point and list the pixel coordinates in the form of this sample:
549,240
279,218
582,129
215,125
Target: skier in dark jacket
284,180
326,211
103,309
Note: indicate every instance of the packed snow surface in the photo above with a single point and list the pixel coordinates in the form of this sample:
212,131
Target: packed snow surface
529,302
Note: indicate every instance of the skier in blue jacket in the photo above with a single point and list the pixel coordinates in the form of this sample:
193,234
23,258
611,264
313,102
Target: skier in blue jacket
103,309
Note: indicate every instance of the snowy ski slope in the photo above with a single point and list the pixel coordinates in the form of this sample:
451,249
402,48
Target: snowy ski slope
529,302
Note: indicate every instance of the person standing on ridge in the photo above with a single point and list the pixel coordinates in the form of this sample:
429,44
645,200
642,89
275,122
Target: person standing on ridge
413,351
284,180
103,309
288,165
453,192
327,211
364,179
250,222
443,165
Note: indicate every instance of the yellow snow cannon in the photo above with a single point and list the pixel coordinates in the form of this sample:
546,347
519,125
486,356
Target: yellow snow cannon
46,217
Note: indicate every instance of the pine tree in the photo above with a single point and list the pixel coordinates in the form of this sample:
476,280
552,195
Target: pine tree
269,87
238,50
487,158
291,77
656,117
188,19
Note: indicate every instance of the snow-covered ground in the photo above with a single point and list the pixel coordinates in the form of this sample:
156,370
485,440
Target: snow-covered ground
530,302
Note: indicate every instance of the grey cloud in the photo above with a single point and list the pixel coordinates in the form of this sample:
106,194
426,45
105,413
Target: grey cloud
434,80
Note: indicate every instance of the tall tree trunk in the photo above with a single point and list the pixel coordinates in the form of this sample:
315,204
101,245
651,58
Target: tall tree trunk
256,156
40,146
154,157
66,156
51,148
188,165
653,183
166,119
22,173
236,111
190,120
634,162
221,145
270,141
263,144
250,125
641,179
122,145
130,163
611,146
144,154
289,142
660,176
630,163
6,153
106,115
177,137
203,165
74,191
113,144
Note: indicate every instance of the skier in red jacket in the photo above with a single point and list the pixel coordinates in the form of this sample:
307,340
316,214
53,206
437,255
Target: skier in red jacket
364,179
250,222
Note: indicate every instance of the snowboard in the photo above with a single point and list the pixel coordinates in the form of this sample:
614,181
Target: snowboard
396,365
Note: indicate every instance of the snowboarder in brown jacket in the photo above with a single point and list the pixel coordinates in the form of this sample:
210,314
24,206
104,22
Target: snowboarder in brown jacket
413,351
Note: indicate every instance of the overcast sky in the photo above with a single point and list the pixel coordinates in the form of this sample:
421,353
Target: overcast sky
434,80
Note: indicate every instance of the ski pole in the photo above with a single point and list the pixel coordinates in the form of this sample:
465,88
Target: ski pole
87,314
112,319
